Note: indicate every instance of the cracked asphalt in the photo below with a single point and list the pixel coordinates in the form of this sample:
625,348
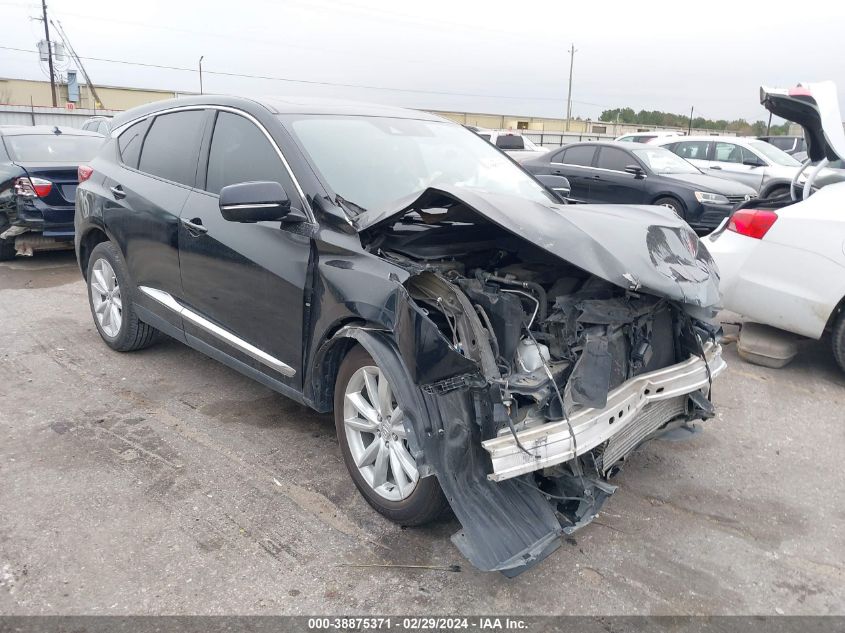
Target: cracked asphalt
161,482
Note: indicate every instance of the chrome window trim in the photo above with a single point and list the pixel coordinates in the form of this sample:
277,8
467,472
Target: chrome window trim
169,302
612,171
118,130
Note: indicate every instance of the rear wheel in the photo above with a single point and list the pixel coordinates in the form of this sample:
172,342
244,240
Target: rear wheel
372,437
838,339
110,297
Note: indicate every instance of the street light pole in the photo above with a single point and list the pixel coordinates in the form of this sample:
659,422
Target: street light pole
689,129
571,52
200,64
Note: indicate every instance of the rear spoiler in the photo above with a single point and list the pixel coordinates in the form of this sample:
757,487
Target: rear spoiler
815,107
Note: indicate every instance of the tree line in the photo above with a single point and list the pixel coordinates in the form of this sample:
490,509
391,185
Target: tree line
667,119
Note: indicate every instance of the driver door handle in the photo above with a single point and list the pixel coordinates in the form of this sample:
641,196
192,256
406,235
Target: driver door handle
194,226
714,167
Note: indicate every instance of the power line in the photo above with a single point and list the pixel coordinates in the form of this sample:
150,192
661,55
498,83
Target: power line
309,81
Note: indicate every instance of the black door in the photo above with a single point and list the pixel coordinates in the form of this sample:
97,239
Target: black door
243,284
144,192
610,182
575,163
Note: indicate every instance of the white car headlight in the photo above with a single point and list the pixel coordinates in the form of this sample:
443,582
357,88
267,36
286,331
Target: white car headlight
711,198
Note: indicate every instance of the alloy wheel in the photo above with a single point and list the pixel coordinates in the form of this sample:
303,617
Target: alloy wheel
376,435
106,297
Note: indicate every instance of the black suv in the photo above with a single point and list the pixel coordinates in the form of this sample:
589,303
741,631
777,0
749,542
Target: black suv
480,343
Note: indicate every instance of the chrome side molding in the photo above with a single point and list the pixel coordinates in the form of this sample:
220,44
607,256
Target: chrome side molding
169,302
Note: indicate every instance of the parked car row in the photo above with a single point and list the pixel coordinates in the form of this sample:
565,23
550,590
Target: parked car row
480,343
634,173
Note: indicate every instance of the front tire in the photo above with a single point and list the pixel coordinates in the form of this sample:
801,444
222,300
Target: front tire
672,203
838,340
372,438
110,297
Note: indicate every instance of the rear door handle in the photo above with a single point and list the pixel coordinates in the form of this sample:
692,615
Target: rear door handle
595,177
194,226
118,192
714,167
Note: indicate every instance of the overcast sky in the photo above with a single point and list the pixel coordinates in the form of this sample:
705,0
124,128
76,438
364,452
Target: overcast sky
471,55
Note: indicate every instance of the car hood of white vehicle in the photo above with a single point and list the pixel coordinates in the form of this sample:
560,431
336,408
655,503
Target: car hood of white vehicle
637,247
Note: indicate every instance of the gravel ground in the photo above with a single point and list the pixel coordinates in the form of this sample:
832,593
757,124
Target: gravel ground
161,482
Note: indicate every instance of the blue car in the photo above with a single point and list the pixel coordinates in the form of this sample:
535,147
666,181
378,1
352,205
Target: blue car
38,179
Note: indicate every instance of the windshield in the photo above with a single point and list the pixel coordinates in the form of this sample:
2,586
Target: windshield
375,161
777,156
52,148
661,161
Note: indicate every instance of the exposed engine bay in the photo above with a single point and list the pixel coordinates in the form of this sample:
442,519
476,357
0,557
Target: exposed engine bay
551,342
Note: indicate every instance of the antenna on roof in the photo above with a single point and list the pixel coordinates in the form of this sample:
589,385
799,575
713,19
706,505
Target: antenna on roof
56,130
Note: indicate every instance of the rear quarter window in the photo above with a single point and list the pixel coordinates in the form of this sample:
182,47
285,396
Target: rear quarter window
129,143
171,147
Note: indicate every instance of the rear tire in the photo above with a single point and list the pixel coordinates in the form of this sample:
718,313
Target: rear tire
392,494
110,295
838,340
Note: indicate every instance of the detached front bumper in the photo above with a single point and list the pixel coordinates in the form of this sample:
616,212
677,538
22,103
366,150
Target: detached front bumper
634,410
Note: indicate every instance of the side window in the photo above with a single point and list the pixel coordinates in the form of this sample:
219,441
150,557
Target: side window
129,143
695,150
748,155
728,153
240,153
104,128
172,145
510,141
615,159
579,155
626,139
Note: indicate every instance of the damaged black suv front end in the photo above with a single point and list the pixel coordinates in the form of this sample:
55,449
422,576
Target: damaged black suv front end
576,333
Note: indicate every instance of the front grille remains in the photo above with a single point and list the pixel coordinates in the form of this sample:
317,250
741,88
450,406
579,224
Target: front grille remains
653,416
738,199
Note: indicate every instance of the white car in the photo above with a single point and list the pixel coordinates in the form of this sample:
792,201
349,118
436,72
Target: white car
517,146
648,137
783,263
758,164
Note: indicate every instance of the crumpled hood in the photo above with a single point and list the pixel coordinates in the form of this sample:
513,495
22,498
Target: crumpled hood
640,247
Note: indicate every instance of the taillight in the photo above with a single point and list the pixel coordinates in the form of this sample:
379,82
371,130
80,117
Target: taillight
33,187
752,222
83,172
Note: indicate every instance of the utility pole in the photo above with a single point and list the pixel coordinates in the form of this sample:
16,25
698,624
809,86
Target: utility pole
49,52
78,61
689,129
201,56
769,124
571,52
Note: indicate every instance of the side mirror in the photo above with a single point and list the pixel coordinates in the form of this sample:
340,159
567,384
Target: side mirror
751,162
558,185
255,202
636,170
